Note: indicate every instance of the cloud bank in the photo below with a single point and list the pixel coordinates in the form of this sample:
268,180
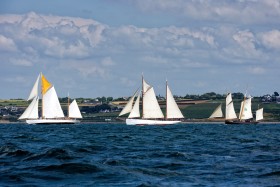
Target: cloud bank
96,59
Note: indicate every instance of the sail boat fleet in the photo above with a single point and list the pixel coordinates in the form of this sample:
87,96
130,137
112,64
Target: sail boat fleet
245,114
52,113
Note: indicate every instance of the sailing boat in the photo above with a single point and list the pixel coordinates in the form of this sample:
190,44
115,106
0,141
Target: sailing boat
151,112
218,113
245,114
51,109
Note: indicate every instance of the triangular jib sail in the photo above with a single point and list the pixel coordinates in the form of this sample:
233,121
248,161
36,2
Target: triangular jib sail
31,112
34,91
135,112
74,111
128,106
172,109
218,113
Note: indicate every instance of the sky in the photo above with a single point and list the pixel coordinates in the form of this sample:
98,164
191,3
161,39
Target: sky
95,48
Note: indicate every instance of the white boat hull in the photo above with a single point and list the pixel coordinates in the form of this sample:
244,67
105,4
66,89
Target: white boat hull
52,121
149,122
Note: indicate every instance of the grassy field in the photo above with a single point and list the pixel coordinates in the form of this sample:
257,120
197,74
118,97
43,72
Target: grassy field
13,102
204,110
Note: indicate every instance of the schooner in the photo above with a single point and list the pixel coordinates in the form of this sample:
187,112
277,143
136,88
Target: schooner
51,112
151,112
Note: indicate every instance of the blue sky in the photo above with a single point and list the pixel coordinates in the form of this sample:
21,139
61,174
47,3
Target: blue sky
94,48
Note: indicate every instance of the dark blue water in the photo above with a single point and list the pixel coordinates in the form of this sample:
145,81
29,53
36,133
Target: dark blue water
120,155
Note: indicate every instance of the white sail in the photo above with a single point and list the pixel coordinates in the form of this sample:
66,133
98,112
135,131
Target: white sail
245,110
172,109
135,113
51,106
128,106
151,108
218,113
31,112
34,91
74,111
230,112
259,114
146,86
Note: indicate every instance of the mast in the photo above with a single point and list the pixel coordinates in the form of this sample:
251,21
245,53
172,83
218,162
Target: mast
166,100
42,115
68,106
242,108
45,86
142,96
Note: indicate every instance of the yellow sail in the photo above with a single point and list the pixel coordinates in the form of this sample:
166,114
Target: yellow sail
45,84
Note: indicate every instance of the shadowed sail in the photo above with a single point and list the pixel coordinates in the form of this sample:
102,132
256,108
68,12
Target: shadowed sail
135,112
128,106
230,112
218,113
31,111
245,110
34,91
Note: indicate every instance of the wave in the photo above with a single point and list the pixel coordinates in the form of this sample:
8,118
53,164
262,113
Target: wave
56,153
70,168
13,150
274,173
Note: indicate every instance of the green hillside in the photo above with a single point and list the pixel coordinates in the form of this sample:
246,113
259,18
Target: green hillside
107,112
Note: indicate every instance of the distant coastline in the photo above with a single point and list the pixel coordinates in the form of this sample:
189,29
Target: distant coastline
123,123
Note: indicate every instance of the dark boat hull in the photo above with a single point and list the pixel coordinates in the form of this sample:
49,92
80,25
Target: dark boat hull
241,122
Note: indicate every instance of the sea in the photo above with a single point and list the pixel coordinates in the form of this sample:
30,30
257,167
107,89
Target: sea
121,155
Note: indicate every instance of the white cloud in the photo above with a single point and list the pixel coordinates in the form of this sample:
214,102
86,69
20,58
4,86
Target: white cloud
187,33
88,69
257,70
242,11
59,37
271,39
155,60
107,61
59,48
16,79
245,39
92,51
7,44
21,62
246,47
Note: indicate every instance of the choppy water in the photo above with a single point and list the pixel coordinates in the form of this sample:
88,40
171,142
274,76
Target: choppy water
120,155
